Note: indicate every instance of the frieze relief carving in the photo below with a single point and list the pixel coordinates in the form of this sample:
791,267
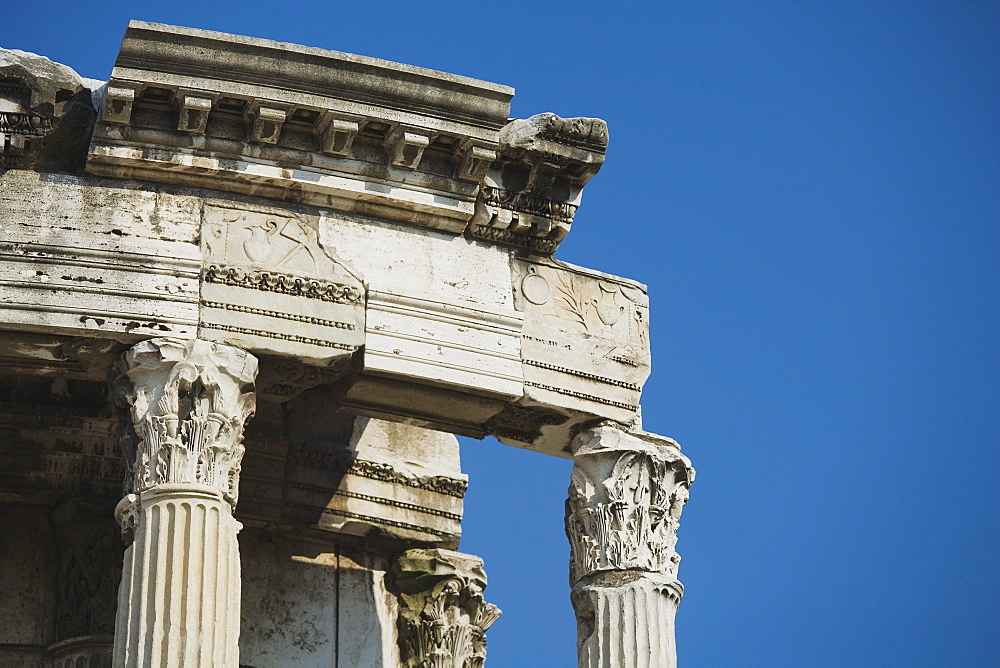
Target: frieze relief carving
442,616
315,305
266,281
625,500
585,342
187,403
376,471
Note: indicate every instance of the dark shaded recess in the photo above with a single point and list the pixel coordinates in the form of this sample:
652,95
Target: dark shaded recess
58,396
65,148
312,423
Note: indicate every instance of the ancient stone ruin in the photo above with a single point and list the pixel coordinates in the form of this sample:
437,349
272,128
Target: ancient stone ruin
248,293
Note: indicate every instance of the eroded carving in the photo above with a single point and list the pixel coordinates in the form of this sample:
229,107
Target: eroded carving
376,471
261,249
46,115
625,501
522,423
187,403
442,616
585,343
533,189
267,281
283,379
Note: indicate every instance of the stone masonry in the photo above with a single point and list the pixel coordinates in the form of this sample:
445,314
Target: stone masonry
249,291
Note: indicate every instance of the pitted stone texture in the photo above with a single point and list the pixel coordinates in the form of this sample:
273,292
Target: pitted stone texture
46,115
89,257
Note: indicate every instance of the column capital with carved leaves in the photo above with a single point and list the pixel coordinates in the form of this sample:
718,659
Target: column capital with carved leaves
625,500
442,616
184,405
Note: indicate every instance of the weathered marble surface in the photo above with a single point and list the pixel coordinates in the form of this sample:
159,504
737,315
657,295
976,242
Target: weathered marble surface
626,495
416,324
46,114
292,122
371,241
442,615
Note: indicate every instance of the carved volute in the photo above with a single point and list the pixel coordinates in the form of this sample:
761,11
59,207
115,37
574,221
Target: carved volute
442,616
625,501
188,402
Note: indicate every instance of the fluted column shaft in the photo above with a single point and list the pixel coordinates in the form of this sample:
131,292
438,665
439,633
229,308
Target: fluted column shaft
179,600
179,604
624,506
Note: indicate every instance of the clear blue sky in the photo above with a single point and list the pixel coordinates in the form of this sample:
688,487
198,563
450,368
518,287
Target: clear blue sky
811,190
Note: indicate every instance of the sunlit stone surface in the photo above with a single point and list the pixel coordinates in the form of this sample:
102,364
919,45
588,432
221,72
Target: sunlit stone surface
249,291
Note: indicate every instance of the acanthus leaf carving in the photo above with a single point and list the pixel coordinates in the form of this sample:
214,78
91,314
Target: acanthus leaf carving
442,616
187,401
625,499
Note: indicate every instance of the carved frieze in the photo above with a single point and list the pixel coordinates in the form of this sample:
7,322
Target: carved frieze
187,403
340,492
269,286
442,616
585,342
625,500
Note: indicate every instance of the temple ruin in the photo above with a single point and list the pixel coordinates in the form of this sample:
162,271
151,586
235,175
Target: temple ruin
249,292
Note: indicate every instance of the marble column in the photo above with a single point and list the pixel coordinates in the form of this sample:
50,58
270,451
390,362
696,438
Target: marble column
442,616
625,500
179,600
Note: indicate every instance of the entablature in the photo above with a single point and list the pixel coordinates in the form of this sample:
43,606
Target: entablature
375,228
351,133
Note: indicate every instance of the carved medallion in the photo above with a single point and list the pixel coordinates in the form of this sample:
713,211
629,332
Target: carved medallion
585,341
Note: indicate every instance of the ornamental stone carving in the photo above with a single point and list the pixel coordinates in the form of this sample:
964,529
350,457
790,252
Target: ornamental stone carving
624,506
625,501
442,616
533,189
188,402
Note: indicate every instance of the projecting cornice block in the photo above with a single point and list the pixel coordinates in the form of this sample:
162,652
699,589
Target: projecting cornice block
254,116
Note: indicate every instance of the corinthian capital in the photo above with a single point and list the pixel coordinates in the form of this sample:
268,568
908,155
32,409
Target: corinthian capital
443,618
625,499
187,401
